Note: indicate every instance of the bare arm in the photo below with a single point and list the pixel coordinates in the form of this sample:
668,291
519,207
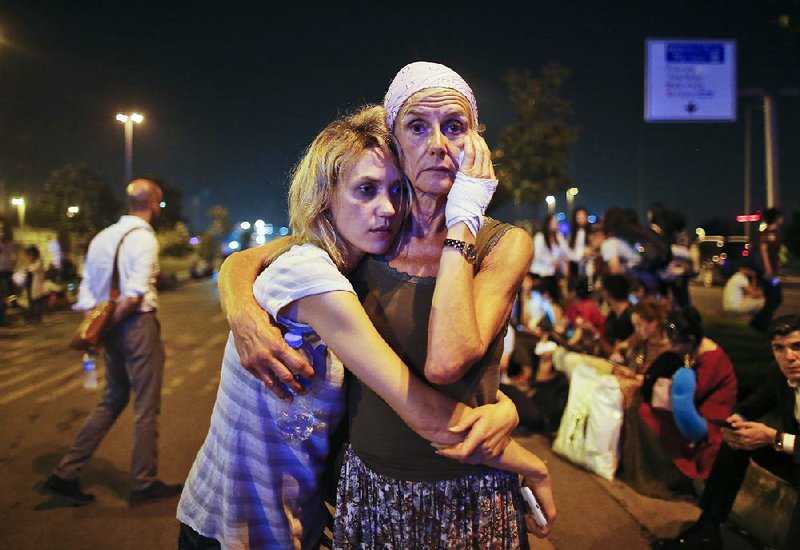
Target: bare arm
340,320
468,312
259,342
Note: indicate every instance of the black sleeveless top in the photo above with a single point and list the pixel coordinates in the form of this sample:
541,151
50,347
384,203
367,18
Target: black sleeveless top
399,306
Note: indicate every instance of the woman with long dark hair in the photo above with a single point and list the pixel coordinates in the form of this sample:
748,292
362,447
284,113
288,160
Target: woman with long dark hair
576,241
549,253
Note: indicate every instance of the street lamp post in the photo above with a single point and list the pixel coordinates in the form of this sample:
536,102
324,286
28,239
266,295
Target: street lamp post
571,193
19,202
551,204
128,121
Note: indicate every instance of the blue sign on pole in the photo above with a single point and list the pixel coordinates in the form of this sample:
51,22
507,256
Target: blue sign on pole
690,81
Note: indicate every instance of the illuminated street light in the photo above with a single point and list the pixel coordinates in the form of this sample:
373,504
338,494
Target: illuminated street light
551,203
245,225
571,192
128,122
19,202
72,210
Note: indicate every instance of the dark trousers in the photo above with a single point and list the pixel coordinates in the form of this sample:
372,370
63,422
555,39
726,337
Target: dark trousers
134,357
6,290
727,475
773,296
189,539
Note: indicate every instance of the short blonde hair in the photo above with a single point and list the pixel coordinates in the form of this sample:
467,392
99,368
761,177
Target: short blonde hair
338,147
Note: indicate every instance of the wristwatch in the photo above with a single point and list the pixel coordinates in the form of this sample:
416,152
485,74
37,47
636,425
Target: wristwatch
777,444
467,250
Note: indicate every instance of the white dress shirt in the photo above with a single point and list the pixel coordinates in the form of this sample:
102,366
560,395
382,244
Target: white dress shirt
138,265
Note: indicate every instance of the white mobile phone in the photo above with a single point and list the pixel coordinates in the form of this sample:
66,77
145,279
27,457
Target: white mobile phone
533,504
460,158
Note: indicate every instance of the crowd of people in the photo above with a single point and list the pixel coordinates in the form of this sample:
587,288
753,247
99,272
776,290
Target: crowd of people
26,283
614,295
381,357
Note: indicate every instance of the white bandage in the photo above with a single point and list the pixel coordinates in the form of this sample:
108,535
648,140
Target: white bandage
467,201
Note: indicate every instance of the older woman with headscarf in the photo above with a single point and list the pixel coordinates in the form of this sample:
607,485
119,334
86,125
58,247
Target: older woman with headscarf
396,489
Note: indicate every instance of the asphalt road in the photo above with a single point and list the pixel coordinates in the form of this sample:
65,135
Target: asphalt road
43,404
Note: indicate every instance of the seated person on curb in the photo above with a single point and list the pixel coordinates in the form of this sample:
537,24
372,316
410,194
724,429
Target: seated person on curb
585,320
742,293
773,448
648,341
618,326
671,441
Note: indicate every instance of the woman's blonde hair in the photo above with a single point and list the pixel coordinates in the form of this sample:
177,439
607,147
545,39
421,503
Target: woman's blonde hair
338,147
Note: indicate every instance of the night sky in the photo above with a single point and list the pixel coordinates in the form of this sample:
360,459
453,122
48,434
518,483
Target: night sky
232,92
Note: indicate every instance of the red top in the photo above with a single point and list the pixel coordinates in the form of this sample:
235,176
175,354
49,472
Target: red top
587,310
714,397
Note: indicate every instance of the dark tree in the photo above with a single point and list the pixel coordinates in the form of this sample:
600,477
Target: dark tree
534,150
75,186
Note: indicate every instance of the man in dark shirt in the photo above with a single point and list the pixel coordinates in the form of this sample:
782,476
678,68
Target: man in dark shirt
769,249
618,321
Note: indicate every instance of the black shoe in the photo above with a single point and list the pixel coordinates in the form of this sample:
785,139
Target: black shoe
158,490
69,488
700,536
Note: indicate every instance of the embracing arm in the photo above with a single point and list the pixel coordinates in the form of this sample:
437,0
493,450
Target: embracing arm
342,324
259,342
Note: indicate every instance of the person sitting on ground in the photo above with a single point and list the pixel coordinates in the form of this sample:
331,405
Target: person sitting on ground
775,448
742,292
584,318
670,444
648,340
618,325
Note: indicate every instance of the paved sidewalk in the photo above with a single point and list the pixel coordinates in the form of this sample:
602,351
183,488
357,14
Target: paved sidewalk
597,514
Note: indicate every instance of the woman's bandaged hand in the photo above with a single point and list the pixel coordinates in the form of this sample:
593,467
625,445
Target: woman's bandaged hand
467,201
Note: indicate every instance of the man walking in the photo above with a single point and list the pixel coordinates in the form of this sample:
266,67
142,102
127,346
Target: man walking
777,449
134,353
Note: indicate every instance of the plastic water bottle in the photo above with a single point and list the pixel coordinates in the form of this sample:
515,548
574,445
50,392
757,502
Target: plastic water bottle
295,422
89,371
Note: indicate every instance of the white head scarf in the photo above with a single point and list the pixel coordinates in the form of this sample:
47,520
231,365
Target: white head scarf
422,75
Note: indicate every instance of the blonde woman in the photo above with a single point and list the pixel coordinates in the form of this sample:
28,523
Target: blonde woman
251,486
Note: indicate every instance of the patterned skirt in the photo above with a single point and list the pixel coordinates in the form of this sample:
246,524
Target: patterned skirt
480,511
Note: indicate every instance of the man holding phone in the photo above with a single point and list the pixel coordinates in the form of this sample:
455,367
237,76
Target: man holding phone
776,449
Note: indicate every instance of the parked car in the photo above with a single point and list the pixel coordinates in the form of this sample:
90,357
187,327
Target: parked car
719,257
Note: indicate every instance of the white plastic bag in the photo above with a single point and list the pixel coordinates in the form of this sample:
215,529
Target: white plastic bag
590,428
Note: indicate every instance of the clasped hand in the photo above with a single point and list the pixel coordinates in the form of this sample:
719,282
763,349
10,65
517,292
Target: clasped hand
487,432
747,436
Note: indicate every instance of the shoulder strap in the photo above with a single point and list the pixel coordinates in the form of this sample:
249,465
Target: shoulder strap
114,293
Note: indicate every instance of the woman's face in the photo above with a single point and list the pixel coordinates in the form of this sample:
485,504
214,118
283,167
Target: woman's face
366,202
552,225
430,134
581,219
644,329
